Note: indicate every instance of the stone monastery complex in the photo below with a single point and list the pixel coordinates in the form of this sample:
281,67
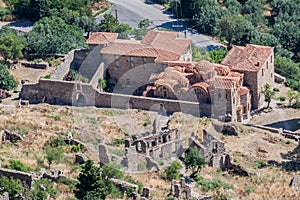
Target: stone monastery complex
158,70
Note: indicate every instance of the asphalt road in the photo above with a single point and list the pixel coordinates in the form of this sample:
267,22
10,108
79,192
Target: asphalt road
133,11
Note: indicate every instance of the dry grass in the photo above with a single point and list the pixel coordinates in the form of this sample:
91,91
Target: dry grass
92,124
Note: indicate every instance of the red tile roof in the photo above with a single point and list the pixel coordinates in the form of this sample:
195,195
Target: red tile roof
162,45
243,91
167,40
222,82
203,85
204,66
101,38
249,58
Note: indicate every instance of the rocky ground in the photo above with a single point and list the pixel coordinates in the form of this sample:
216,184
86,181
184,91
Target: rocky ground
253,148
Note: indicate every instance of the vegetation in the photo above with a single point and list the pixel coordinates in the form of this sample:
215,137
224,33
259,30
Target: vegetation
212,184
172,171
41,189
264,22
7,81
74,75
54,36
95,183
11,46
268,93
193,160
17,165
53,154
10,185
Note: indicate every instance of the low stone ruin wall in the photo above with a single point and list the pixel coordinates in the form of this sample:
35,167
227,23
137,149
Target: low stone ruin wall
286,133
28,178
40,65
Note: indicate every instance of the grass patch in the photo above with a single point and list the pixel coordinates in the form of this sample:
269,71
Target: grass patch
212,184
117,152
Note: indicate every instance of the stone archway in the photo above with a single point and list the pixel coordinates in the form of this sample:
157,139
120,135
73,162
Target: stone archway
79,99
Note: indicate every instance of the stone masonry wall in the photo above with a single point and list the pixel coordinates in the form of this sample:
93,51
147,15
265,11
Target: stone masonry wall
24,177
67,93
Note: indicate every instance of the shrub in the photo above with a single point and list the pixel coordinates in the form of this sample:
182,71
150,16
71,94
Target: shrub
259,164
17,165
7,81
249,189
147,122
48,76
212,184
42,188
117,142
10,185
172,171
275,89
288,142
281,98
57,118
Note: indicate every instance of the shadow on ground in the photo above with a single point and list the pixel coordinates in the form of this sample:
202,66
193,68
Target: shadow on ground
292,124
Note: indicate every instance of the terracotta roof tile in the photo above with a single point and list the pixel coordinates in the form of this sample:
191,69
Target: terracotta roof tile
247,58
243,91
204,66
129,49
101,38
221,82
203,85
167,40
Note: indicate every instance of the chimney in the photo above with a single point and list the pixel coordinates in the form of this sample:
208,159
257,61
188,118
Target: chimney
258,63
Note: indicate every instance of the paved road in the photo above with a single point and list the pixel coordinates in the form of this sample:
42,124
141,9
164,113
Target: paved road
133,11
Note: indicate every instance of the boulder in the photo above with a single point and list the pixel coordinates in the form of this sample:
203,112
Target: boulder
80,158
12,137
230,129
295,183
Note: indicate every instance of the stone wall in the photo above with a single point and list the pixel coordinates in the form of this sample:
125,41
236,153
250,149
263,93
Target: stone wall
27,178
69,93
72,60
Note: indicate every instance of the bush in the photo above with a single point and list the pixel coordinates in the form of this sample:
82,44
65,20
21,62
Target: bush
212,184
117,142
10,185
17,165
7,81
147,122
172,171
249,189
42,188
275,89
281,98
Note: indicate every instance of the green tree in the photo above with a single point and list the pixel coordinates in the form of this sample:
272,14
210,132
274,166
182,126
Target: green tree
292,96
172,171
91,182
10,185
193,160
145,23
102,83
111,24
235,29
11,46
233,6
53,154
7,81
218,55
54,36
268,94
